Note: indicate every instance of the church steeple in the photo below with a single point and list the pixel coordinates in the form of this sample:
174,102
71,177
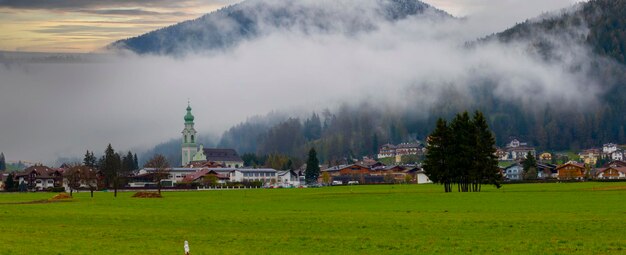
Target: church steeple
189,147
189,117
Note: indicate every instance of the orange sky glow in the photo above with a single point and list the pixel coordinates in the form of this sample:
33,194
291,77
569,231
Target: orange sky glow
87,26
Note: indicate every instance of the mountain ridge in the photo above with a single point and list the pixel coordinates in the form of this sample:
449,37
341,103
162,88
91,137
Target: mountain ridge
250,19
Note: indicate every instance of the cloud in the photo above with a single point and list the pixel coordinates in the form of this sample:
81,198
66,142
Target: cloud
82,4
62,109
129,12
70,29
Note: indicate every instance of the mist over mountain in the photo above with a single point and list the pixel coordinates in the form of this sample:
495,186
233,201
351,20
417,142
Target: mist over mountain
362,85
599,24
251,19
583,42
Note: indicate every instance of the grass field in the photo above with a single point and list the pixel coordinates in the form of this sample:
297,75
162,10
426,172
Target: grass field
574,218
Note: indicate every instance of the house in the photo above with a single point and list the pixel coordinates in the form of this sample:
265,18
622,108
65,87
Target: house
203,175
419,175
354,172
394,174
288,178
590,156
516,150
546,156
145,177
387,151
404,149
88,178
571,170
354,169
614,171
264,175
400,150
617,155
388,169
616,162
514,172
609,148
39,177
546,171
501,154
179,175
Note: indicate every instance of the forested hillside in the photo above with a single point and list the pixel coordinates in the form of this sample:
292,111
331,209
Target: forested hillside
357,130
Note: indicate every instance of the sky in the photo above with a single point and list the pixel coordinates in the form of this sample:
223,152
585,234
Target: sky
86,26
53,110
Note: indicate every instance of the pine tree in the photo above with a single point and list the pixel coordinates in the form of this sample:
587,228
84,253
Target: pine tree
486,161
530,167
90,159
313,128
111,164
9,184
128,162
136,162
463,149
436,164
312,171
3,163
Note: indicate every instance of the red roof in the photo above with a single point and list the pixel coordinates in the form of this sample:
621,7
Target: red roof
618,168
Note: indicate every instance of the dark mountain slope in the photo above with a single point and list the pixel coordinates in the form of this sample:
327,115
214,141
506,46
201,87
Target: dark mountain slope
600,24
252,18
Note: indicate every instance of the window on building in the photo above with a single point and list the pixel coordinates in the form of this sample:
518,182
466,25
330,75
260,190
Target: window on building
192,139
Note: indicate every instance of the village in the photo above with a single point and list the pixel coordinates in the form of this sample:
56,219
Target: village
222,168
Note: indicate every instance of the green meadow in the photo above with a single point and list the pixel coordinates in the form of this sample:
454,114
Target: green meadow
572,218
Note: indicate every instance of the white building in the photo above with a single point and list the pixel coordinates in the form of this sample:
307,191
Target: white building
612,172
265,175
617,155
421,178
609,148
516,150
387,151
289,178
514,172
177,174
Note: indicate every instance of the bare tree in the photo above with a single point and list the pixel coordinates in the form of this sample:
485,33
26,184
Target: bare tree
89,177
161,169
72,176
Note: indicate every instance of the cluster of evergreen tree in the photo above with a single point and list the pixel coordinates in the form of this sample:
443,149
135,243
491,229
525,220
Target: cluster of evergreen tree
10,184
275,161
462,153
312,172
347,134
113,167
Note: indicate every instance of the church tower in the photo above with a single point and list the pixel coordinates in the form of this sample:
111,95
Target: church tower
189,147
